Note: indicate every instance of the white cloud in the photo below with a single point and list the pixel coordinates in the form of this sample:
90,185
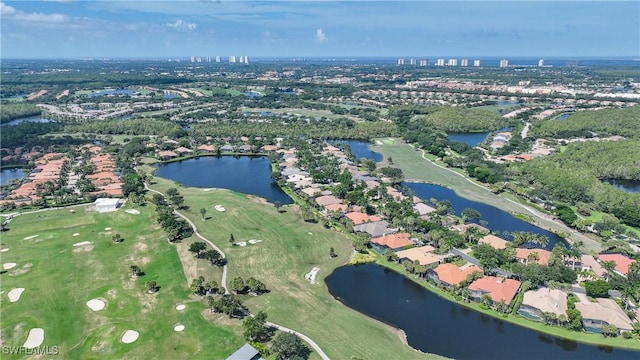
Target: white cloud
321,36
182,25
10,13
6,10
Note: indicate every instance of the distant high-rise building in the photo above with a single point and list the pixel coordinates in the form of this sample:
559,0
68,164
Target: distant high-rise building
218,58
541,62
424,62
412,61
476,62
246,59
193,59
199,59
401,61
440,62
504,63
452,62
208,59
464,62
232,59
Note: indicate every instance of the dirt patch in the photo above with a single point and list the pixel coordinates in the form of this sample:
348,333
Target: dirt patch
112,293
140,246
145,260
22,270
257,199
83,248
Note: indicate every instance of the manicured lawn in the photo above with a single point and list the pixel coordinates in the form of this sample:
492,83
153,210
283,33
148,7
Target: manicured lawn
59,279
289,249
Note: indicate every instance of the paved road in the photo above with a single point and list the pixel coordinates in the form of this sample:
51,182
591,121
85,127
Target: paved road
304,337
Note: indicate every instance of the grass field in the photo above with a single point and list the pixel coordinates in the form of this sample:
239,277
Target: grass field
289,249
416,168
59,279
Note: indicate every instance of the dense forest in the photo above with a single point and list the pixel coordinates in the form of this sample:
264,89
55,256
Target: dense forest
605,122
14,110
574,176
460,119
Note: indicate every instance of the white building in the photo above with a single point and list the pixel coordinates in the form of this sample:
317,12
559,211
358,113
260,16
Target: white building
464,62
412,61
504,63
218,58
106,204
424,62
400,61
452,62
541,62
476,63
440,62
232,59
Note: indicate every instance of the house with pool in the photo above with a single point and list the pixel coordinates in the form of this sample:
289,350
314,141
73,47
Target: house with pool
544,300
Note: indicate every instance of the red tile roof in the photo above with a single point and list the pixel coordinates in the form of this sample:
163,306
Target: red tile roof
622,262
497,288
543,255
393,241
454,275
360,217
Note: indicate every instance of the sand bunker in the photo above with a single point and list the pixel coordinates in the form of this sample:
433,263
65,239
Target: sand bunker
130,336
178,328
220,208
132,211
241,243
311,275
7,266
96,304
82,243
76,234
181,307
4,250
14,294
309,233
254,241
31,237
35,338
107,229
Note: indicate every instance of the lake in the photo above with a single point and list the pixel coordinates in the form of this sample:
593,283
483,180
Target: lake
497,220
624,185
360,149
33,119
126,92
435,325
471,139
244,174
7,175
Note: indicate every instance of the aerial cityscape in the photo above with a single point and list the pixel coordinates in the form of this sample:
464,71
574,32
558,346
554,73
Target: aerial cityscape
320,180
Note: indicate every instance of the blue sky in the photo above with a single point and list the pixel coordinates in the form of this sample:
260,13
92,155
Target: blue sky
122,28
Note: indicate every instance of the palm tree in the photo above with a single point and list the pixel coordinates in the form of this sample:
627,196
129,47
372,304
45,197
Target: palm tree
609,266
203,212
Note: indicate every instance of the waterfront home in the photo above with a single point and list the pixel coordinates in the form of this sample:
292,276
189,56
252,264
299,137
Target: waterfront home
207,148
423,209
375,228
463,228
227,148
166,155
494,241
394,242
543,300
539,256
622,262
327,200
339,208
358,217
269,148
589,263
448,275
183,151
603,312
498,289
245,148
423,255
311,191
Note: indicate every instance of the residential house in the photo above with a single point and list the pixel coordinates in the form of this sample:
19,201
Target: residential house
423,254
603,312
327,200
588,262
392,241
166,155
311,191
498,289
245,148
183,151
359,217
543,300
227,148
340,208
539,256
494,241
207,148
106,204
246,352
375,228
423,209
622,262
452,275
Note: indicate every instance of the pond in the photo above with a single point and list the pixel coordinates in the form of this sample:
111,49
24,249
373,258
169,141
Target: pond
435,325
564,116
471,139
497,220
245,174
7,175
33,119
624,185
359,148
126,92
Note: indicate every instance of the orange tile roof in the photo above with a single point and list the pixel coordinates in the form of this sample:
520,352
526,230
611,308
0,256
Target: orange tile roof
622,262
360,217
393,241
454,275
336,207
497,288
544,255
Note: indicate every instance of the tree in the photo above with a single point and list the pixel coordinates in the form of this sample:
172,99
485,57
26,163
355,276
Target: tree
256,286
598,288
117,239
231,239
289,346
237,285
203,212
609,266
197,285
135,271
152,286
332,253
213,256
469,214
278,205
391,255
197,247
609,330
254,327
